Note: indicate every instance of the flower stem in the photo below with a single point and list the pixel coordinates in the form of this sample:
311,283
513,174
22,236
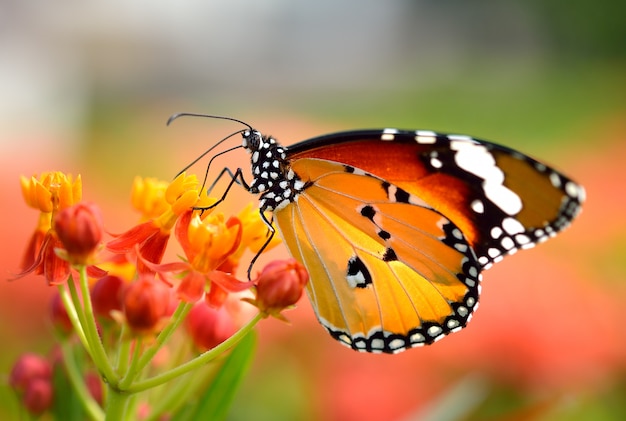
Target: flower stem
116,404
197,362
73,372
72,313
99,355
138,365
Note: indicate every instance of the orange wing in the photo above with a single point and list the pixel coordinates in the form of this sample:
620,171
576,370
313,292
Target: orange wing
501,199
388,272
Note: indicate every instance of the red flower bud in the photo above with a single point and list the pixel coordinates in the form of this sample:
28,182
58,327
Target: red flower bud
38,396
106,296
279,286
145,303
80,228
27,368
209,326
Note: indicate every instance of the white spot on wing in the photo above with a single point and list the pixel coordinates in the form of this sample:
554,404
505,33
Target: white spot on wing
389,134
425,137
476,159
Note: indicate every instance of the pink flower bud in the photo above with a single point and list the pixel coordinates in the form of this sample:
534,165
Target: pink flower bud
27,368
80,229
146,302
209,326
106,296
280,285
38,396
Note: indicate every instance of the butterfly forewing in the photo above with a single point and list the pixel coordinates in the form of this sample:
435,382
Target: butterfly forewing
500,199
381,282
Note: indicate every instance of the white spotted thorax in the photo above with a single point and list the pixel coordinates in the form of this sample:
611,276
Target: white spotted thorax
273,179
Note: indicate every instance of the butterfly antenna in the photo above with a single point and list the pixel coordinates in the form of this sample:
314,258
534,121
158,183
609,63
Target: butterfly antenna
205,153
219,117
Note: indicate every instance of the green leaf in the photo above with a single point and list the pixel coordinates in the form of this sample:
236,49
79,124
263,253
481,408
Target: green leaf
216,400
67,405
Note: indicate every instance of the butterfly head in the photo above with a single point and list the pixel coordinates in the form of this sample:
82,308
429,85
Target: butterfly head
252,140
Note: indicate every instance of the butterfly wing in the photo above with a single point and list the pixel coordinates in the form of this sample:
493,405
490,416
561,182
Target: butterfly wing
388,272
501,199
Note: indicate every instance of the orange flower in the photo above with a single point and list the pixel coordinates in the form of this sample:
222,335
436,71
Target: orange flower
150,238
207,243
148,197
50,193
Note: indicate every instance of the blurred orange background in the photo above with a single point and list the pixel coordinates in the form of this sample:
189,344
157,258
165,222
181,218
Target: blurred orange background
87,89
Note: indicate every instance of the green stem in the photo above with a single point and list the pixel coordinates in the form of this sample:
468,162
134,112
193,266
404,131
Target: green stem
89,404
99,355
136,367
197,362
116,404
70,308
124,351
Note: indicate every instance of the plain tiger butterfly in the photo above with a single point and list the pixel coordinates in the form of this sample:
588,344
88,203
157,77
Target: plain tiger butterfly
396,226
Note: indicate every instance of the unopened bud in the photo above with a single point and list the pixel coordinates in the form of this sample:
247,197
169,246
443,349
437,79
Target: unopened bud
80,229
209,326
280,286
145,302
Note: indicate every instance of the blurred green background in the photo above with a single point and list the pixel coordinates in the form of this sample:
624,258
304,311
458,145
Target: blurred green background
87,87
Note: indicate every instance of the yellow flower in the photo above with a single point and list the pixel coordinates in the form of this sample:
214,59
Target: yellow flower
51,191
148,196
164,204
210,240
182,194
255,232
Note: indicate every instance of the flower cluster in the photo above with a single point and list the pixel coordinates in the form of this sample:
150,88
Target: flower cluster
124,313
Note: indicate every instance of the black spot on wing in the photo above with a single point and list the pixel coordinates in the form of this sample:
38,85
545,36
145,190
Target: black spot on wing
395,193
384,234
368,212
358,275
390,255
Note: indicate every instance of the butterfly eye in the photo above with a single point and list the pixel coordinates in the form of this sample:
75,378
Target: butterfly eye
251,140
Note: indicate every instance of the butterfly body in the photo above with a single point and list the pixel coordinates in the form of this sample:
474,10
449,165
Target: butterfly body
396,226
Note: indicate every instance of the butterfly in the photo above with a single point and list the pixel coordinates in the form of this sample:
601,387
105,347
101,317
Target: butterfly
396,226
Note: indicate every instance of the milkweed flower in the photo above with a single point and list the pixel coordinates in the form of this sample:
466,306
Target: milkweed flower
149,239
116,326
148,197
50,193
207,241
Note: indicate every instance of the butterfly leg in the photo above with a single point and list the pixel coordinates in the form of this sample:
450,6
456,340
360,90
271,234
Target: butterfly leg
224,171
236,177
271,232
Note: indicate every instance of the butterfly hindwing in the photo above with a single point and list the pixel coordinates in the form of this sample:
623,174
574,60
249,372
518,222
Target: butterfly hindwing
388,272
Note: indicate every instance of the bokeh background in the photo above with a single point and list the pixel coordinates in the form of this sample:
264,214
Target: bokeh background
86,87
